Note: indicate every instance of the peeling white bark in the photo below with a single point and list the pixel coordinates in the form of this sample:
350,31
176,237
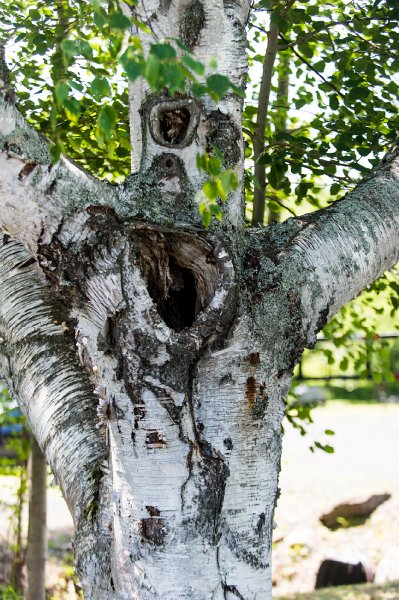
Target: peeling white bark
40,369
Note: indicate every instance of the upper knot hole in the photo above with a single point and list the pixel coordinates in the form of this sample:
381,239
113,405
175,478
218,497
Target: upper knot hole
173,122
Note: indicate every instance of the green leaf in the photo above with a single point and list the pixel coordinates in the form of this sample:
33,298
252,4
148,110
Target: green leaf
73,48
61,91
70,48
359,93
118,20
335,189
193,64
100,87
133,68
172,76
210,189
202,162
328,449
229,180
218,154
163,51
334,102
198,90
214,166
106,121
217,86
344,364
100,17
72,108
216,210
34,15
205,214
329,432
55,152
264,159
86,49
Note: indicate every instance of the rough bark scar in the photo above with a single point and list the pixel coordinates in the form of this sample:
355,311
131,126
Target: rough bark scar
224,134
155,439
323,318
260,524
232,590
96,209
192,23
257,399
254,359
153,511
51,188
228,443
153,528
250,390
27,169
164,6
214,474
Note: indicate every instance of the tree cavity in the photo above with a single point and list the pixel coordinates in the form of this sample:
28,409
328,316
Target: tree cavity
173,122
180,275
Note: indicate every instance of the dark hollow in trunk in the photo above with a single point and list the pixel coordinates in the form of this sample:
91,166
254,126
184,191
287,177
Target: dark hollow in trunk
181,275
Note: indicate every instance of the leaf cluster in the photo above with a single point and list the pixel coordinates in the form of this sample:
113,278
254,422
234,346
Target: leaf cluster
341,110
216,188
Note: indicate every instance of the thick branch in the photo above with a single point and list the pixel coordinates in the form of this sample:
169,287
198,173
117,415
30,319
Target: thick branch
34,194
41,369
339,251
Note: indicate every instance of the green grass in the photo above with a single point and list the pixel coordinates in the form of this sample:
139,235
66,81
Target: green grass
388,591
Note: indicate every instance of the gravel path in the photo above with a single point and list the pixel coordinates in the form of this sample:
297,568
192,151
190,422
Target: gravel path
365,462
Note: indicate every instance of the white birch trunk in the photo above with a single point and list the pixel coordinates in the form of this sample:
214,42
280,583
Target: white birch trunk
152,357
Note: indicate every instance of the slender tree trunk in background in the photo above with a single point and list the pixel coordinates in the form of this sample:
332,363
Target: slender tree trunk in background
282,113
259,202
37,529
152,357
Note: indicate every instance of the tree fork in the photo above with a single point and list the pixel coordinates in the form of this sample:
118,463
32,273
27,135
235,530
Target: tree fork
151,357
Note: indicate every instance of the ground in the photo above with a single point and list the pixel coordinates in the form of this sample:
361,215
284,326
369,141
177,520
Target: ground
388,591
364,463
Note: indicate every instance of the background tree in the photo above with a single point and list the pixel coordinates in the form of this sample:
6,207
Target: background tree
150,354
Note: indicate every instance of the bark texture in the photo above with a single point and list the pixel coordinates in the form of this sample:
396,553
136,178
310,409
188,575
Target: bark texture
152,357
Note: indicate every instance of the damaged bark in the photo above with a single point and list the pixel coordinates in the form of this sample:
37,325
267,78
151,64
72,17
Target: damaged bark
152,357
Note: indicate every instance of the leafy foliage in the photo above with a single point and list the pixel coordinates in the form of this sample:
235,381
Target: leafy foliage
341,112
218,185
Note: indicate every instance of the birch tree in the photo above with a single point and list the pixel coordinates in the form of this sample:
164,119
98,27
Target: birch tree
151,355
